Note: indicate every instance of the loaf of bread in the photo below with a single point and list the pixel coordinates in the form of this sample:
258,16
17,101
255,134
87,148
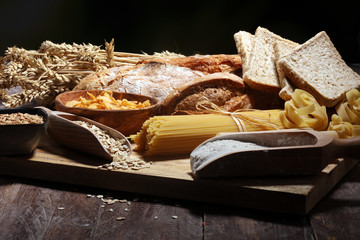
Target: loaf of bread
226,90
318,68
203,63
258,56
152,79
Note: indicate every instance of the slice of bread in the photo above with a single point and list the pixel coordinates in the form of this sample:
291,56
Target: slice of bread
318,68
281,49
259,70
244,43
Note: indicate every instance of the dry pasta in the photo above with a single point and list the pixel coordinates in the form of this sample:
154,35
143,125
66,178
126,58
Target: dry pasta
343,129
303,111
105,100
180,134
349,108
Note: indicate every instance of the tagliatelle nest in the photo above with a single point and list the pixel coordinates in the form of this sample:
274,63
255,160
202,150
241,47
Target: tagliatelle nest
54,68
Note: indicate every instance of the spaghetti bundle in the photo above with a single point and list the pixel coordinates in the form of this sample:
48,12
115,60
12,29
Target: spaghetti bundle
180,134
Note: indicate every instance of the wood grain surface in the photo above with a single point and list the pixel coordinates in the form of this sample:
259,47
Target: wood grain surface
172,178
33,209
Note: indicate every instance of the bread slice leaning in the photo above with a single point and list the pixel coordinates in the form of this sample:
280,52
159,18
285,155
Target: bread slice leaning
244,43
318,68
281,49
259,70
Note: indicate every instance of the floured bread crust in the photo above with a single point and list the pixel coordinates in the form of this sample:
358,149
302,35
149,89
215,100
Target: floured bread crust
152,79
204,63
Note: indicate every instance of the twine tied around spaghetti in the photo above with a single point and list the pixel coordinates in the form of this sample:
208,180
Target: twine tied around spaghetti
238,115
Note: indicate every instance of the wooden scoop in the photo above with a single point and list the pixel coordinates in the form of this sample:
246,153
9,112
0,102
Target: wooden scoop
63,130
285,152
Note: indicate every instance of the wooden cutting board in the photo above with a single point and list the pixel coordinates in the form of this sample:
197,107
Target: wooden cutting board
172,178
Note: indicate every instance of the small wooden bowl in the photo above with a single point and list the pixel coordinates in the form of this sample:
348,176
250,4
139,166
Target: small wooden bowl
125,121
21,138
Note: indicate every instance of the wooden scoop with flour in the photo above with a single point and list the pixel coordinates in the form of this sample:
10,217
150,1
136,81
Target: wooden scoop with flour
269,153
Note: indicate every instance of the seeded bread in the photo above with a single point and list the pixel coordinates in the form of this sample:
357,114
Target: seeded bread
318,68
281,49
259,69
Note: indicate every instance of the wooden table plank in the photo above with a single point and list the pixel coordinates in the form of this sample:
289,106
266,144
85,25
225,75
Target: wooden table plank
30,209
149,220
39,212
235,223
337,216
43,210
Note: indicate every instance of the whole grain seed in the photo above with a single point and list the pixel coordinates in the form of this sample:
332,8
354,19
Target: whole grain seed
117,149
20,118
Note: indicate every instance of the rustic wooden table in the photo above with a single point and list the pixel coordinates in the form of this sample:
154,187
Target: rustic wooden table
32,209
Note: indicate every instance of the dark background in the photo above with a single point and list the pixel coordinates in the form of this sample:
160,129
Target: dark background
187,27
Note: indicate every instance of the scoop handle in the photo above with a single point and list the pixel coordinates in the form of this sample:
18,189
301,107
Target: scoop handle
347,146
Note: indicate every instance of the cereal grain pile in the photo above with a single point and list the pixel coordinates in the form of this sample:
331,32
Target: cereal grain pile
122,159
20,118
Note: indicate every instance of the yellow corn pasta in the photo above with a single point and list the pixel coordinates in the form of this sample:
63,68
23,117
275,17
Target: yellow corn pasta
105,100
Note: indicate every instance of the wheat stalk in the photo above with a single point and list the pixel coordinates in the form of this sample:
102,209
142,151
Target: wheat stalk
55,68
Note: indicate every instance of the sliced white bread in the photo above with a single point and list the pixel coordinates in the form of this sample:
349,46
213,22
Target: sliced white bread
318,68
259,70
281,49
244,43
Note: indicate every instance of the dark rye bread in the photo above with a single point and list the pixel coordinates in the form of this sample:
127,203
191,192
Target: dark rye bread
318,68
226,90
